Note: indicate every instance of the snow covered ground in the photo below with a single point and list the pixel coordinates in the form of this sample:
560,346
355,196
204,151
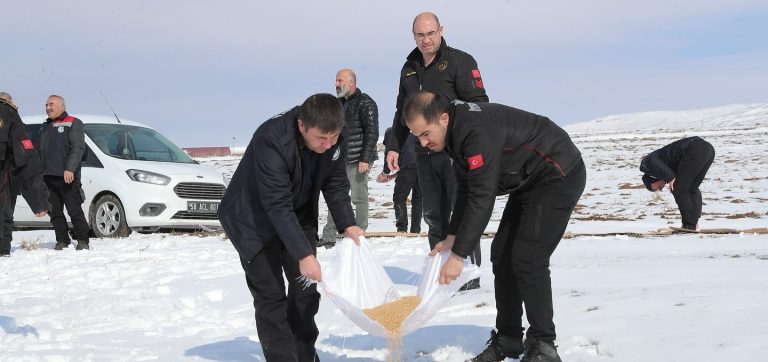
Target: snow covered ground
178,297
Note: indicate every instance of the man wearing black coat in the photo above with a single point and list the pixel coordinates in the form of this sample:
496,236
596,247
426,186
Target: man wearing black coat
362,127
20,171
682,165
436,67
500,150
406,182
270,214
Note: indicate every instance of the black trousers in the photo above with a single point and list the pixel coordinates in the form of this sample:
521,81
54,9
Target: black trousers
8,193
64,194
285,323
407,180
438,190
691,172
530,229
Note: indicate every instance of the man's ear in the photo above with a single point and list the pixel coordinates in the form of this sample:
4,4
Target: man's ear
302,129
444,119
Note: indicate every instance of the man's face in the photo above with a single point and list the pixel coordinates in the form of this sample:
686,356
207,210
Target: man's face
54,107
317,141
430,135
343,84
657,185
427,35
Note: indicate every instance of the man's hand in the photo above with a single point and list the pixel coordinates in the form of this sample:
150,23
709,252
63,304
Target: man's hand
392,158
382,178
362,167
446,244
69,176
41,213
451,269
310,268
672,185
354,232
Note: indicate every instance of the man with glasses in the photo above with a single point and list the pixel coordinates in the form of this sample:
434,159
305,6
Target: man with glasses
434,66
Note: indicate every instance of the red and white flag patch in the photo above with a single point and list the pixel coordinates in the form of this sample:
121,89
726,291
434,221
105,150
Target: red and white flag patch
475,161
27,144
475,73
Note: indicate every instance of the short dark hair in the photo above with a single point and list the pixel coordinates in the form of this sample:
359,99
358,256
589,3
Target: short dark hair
322,111
429,105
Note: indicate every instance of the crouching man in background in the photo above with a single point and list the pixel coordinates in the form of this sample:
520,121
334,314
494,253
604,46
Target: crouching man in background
270,214
500,150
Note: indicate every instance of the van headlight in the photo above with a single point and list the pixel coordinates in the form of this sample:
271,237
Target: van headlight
148,177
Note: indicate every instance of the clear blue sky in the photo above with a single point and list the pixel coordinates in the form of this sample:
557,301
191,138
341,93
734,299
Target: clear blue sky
203,72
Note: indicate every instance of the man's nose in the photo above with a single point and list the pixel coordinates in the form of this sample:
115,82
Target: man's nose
423,142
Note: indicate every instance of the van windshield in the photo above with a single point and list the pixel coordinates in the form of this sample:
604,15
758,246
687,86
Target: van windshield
135,143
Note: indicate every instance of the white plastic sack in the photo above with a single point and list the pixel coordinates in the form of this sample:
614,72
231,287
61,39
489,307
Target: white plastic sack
357,281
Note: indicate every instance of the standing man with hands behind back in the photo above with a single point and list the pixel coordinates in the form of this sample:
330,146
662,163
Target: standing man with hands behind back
436,67
62,146
19,171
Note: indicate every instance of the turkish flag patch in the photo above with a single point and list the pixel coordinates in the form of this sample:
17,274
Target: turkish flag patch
475,161
27,144
475,73
479,83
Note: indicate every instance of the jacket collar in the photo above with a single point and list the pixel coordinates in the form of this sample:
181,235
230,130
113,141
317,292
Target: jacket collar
59,118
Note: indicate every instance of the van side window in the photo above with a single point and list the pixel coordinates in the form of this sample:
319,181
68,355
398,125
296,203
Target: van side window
90,159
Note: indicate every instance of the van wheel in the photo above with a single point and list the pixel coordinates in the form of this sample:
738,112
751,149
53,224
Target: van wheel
108,218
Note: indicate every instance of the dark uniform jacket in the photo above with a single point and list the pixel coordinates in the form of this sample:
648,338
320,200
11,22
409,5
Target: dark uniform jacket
62,145
663,163
362,119
259,206
453,73
19,159
499,150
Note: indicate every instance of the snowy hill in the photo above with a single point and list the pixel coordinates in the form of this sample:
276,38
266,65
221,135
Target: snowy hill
735,116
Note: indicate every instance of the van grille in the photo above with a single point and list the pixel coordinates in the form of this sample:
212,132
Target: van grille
186,215
196,190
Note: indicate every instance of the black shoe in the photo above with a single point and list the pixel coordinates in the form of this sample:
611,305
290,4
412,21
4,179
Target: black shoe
540,351
472,284
82,245
61,246
5,253
402,230
500,347
326,244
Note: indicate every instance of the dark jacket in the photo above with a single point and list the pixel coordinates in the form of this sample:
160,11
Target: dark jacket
663,163
259,206
362,119
453,73
62,145
19,160
498,150
407,157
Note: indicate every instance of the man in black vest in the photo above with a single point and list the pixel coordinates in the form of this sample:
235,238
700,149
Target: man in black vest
20,171
270,214
500,150
436,67
682,165
62,146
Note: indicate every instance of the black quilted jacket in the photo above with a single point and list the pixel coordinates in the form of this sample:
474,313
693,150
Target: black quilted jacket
362,116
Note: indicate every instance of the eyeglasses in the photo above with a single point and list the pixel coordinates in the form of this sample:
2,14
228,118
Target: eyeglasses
430,35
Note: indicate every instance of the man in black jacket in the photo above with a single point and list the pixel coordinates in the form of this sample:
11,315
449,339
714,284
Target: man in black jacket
362,126
19,171
406,182
682,165
500,150
270,212
436,67
62,146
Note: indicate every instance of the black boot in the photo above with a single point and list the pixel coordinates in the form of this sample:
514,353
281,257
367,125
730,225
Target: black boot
82,245
61,246
472,284
540,351
500,347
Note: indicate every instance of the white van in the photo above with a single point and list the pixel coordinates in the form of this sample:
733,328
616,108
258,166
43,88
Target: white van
135,179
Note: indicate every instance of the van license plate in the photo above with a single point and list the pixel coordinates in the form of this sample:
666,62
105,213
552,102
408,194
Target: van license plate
202,206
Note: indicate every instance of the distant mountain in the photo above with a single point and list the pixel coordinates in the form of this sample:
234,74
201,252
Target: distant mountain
735,116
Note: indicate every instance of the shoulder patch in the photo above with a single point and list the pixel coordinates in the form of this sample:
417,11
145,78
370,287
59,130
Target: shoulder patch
475,161
27,144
